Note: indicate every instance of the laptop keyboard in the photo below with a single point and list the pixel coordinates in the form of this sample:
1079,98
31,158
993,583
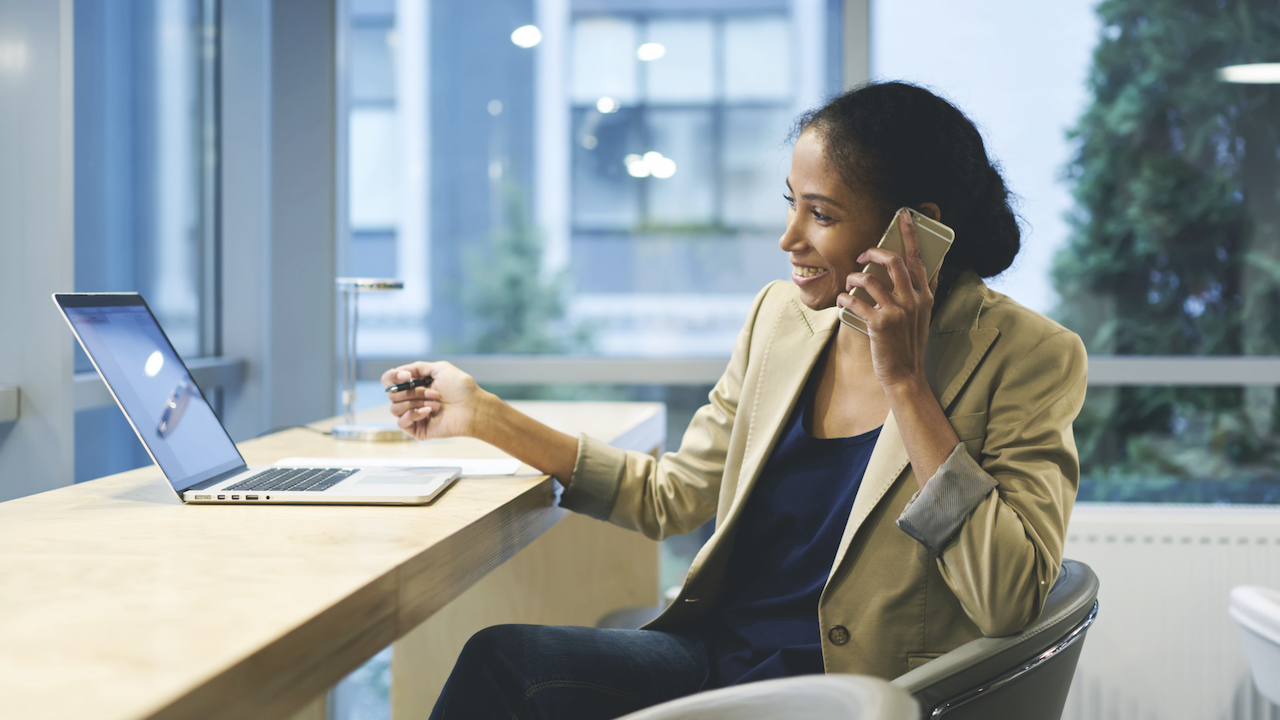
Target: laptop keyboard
294,480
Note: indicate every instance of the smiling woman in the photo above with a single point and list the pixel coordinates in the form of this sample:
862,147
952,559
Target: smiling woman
928,459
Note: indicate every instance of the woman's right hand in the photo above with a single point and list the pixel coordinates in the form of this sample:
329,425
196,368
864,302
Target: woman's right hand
449,408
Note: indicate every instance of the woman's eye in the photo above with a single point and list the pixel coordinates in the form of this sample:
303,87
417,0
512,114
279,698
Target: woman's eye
790,200
820,216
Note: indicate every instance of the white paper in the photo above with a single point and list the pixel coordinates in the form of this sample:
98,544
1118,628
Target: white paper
470,466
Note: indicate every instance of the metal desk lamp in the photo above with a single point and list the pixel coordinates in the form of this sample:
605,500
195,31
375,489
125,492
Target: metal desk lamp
348,429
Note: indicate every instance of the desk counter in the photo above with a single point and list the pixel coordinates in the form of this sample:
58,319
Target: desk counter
119,602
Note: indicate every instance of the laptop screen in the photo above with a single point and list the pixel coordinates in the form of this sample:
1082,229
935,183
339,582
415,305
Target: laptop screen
153,387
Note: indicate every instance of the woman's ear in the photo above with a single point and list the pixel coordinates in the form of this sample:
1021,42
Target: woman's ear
930,210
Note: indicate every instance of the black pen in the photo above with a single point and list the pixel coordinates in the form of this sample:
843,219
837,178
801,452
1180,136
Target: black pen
414,383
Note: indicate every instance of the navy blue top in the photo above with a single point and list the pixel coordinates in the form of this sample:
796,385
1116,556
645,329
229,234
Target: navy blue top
766,621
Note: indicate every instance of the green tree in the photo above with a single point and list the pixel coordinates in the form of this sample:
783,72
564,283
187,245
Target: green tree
1175,247
510,306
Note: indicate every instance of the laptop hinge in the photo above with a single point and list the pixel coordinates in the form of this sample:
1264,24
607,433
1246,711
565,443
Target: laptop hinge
217,478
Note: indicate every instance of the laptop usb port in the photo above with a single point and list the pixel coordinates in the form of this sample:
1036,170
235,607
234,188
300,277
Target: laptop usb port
250,497
222,497
204,497
235,497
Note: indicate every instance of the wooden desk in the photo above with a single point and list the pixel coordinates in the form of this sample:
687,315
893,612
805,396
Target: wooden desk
118,601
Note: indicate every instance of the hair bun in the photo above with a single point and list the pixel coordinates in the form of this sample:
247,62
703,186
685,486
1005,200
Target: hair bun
1002,234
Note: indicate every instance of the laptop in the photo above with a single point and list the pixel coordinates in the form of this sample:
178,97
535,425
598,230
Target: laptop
185,438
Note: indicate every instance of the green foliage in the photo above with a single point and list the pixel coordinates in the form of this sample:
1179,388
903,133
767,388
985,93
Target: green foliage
1175,247
510,306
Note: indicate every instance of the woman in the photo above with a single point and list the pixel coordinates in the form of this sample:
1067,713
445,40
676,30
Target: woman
879,498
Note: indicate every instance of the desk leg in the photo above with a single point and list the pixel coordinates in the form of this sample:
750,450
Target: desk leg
575,573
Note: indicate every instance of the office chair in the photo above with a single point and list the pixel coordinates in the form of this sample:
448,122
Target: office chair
1257,611
808,697
1016,677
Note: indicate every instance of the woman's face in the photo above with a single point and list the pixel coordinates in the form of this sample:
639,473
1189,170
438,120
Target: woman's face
828,224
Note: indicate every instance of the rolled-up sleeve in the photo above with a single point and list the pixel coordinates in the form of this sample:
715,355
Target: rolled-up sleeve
996,526
935,515
597,476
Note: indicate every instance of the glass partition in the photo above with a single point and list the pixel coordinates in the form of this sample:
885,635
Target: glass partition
145,184
610,184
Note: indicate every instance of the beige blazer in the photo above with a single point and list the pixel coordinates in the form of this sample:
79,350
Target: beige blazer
986,533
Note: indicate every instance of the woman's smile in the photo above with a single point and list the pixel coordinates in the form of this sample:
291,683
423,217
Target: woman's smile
804,274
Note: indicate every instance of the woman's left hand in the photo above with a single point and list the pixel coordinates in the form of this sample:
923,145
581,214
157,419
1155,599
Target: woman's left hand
898,325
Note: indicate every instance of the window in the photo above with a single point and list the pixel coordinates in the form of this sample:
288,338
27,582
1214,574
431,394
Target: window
374,199
1148,189
679,156
145,174
614,189
674,141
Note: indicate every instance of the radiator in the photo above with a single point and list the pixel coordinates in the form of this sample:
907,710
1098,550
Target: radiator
1163,646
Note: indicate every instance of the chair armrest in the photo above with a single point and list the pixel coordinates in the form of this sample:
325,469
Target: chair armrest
985,659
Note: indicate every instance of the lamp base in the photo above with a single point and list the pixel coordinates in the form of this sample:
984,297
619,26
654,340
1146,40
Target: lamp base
370,432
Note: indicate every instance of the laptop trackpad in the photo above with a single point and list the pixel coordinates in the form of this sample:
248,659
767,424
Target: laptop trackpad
405,477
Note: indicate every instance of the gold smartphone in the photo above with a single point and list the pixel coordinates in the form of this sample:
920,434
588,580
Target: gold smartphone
935,241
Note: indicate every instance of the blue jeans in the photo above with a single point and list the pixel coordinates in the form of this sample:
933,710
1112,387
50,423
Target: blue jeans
578,673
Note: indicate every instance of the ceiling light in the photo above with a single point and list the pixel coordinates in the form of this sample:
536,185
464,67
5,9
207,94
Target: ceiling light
607,105
651,163
650,51
1253,73
663,168
636,166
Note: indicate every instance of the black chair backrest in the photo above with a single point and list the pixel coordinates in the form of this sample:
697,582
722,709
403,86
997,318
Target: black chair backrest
1020,676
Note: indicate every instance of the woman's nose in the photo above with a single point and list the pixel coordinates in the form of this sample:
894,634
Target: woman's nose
792,239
